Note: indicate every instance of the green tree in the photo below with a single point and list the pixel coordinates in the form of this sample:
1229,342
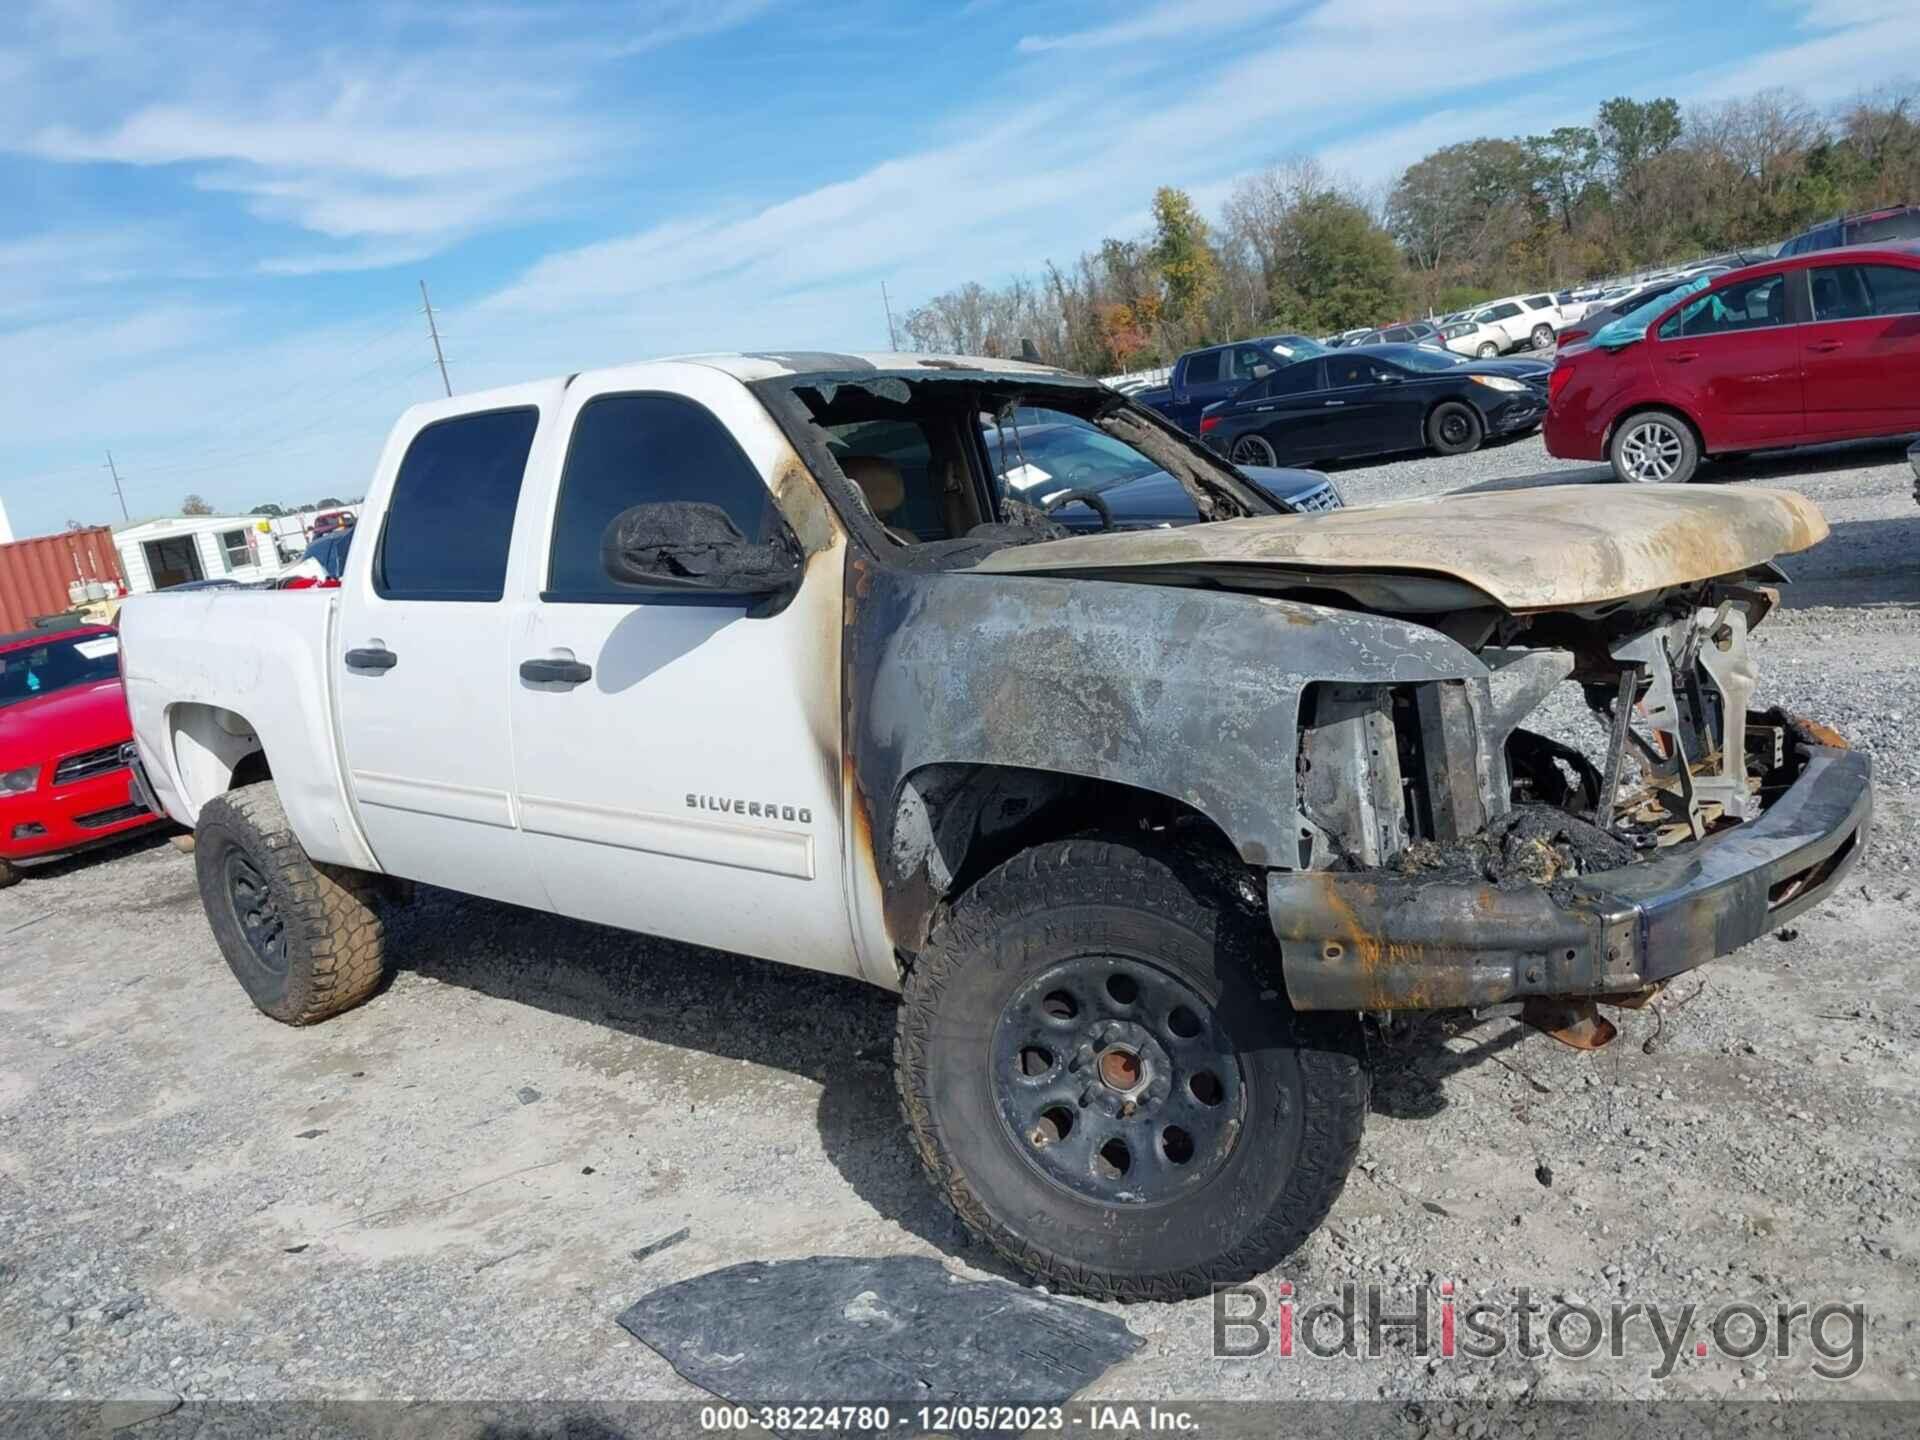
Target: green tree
1339,269
1565,163
1183,255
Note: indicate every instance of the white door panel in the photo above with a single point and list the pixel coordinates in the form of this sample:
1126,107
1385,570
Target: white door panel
429,739
691,786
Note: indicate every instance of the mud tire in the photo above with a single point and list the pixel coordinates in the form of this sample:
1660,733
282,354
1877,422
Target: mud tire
1303,1078
331,947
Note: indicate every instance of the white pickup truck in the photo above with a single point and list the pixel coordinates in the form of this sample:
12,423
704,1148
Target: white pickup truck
753,652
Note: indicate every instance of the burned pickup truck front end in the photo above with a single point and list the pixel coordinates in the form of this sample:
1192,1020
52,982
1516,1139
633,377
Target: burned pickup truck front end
1470,860
1580,796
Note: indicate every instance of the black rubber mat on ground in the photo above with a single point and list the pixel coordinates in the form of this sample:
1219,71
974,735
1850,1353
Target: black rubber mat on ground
901,1331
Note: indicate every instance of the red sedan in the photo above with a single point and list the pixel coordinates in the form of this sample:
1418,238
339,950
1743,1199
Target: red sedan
1799,351
64,731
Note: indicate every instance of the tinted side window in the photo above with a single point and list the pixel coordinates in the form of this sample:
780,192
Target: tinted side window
1839,292
1294,380
1893,289
1750,305
1203,368
635,449
1903,226
450,517
1359,370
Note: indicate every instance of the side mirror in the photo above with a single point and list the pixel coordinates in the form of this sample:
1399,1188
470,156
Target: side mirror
679,545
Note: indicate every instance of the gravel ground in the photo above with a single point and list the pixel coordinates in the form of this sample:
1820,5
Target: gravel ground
453,1190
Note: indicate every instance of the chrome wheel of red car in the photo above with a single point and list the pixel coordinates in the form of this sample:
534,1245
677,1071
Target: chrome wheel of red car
1653,450
1253,450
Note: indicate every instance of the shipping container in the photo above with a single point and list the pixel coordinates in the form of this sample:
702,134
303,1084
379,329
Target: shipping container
39,577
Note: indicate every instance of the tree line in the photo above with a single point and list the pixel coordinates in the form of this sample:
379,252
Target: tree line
1298,248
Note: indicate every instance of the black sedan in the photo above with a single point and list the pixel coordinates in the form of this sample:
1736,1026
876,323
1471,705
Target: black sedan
1086,479
1375,400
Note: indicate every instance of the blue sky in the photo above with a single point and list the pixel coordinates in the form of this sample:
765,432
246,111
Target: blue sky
213,217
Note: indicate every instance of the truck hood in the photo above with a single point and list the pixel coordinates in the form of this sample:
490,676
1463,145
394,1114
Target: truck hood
1547,548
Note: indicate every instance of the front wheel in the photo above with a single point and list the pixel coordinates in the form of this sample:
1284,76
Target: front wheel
1107,1087
1454,428
302,938
1253,450
1654,448
9,874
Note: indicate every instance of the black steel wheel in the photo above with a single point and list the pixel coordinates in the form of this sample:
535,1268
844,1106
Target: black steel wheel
1117,1078
1103,1078
255,913
1454,428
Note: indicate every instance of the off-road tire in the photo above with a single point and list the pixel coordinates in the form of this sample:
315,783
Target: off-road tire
1455,428
333,941
1305,1083
9,874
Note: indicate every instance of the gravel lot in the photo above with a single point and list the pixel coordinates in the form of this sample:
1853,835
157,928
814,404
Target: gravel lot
442,1193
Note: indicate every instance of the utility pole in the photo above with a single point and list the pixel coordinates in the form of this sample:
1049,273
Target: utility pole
434,331
893,340
126,518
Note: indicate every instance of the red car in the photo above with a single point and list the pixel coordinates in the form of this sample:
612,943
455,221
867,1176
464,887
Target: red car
1797,351
64,738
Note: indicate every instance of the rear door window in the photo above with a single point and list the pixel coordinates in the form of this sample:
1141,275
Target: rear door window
1203,368
449,519
1892,289
1839,292
635,449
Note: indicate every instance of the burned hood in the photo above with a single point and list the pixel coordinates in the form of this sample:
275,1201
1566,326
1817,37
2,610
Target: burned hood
1546,548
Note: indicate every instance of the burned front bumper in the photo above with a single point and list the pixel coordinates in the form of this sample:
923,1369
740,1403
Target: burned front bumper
1377,940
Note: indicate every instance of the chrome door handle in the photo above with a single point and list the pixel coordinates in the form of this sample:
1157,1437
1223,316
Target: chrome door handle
1335,402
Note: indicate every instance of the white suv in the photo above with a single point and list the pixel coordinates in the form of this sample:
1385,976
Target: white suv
1524,319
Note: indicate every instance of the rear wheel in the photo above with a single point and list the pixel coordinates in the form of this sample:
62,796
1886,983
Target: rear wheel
1253,450
1542,336
1487,350
302,938
1454,428
1105,1086
1654,448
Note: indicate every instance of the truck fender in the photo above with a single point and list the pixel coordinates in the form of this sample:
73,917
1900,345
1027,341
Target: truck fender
1189,694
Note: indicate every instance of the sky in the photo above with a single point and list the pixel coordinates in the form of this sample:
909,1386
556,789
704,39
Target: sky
214,218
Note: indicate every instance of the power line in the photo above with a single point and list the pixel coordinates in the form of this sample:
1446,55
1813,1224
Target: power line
434,331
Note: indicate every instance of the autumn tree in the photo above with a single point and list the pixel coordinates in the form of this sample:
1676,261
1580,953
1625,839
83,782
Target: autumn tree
195,505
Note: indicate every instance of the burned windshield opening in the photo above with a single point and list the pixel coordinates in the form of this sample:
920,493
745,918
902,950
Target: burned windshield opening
947,462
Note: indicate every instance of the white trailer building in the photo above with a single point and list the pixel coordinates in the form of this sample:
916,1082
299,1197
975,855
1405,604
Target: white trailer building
157,554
